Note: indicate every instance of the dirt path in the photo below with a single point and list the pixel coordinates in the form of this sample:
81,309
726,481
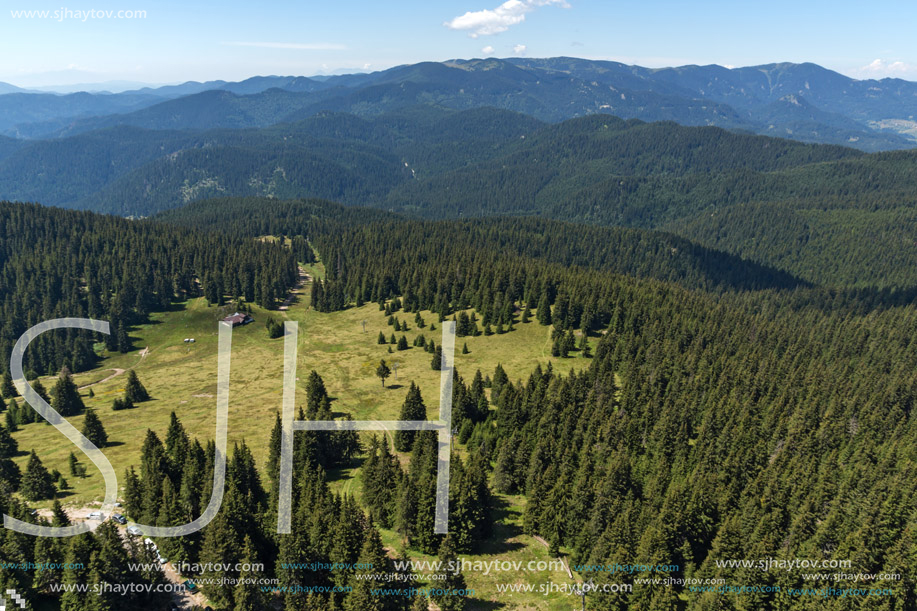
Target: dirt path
117,371
303,279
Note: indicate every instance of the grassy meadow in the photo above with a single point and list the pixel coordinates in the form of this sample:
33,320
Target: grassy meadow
181,377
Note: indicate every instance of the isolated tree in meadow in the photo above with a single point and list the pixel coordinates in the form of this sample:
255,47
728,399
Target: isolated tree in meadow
37,483
134,390
122,403
383,371
382,339
74,465
403,343
65,396
274,328
93,429
436,363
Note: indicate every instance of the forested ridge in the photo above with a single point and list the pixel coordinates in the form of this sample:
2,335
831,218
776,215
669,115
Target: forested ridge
724,410
769,424
827,214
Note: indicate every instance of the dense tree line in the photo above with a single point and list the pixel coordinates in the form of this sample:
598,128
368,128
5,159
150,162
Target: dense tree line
57,263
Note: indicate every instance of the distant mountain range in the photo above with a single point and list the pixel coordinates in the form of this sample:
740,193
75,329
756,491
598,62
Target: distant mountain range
800,101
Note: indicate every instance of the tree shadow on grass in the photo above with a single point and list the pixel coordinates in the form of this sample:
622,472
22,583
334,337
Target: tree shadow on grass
503,530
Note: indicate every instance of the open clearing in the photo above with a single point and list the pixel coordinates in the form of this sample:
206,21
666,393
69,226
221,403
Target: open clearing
181,377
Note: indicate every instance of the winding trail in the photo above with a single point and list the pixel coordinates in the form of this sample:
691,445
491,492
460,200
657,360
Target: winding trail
117,371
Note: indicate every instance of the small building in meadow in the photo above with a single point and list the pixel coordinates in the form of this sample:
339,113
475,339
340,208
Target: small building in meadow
238,319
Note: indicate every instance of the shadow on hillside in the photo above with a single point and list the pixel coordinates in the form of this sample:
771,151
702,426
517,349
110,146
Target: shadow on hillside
503,531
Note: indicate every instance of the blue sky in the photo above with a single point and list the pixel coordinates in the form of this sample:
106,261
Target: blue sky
231,40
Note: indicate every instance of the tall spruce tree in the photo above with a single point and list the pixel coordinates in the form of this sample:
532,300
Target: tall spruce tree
134,390
413,408
37,483
7,388
93,429
65,397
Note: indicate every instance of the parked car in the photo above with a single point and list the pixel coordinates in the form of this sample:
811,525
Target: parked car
190,586
95,515
134,530
162,560
117,517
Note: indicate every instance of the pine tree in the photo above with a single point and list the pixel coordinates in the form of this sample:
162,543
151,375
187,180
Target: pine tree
220,548
39,388
247,593
37,483
8,446
134,390
65,395
544,310
437,362
412,409
382,339
452,581
74,465
93,429
59,517
362,598
77,572
465,348
133,494
121,403
403,343
7,388
382,372
526,313
274,328
123,341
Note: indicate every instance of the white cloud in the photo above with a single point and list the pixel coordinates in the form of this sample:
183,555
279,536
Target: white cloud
880,68
488,50
299,46
519,50
488,22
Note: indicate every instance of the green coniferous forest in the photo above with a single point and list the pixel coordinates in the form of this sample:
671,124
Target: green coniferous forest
723,372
